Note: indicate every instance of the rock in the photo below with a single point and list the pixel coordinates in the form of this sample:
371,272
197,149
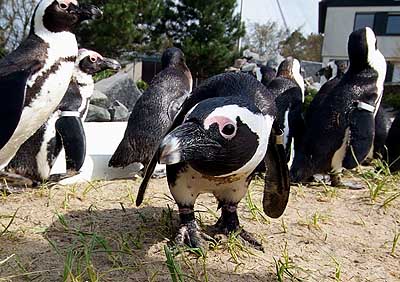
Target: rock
118,111
98,114
99,99
121,87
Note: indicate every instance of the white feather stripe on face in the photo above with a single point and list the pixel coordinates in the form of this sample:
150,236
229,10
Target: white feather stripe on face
377,61
296,70
257,123
334,68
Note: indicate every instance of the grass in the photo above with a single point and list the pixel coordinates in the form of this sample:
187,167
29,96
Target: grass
395,241
285,267
6,227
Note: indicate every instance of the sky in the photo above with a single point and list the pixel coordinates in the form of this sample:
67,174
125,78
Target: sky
297,13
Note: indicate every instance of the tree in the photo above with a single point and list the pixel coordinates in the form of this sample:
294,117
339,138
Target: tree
126,26
265,39
15,16
207,32
303,48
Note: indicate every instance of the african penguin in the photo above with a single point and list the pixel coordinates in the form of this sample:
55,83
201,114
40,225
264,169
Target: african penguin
154,112
288,89
64,128
34,77
224,130
334,72
341,135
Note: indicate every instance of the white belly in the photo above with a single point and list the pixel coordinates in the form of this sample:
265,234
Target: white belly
192,183
338,157
37,113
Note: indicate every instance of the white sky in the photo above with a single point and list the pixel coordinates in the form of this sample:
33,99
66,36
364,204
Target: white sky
297,13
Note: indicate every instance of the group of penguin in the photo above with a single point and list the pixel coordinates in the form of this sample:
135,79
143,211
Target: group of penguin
213,139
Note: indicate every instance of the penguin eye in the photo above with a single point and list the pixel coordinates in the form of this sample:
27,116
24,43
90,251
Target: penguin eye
93,59
63,6
228,131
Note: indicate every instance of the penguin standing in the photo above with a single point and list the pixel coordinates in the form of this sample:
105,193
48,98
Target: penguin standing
288,89
342,134
64,129
215,143
155,110
34,77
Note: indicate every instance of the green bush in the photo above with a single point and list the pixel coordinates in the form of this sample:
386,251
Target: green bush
142,85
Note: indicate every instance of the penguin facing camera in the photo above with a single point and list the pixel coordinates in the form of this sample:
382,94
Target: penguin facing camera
222,133
288,90
64,129
35,76
342,133
155,110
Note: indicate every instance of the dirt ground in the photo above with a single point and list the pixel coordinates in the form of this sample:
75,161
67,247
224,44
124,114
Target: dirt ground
94,232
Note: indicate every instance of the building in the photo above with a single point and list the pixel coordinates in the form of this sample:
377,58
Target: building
338,18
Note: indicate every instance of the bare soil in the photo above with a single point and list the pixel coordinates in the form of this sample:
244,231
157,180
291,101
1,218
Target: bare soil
94,232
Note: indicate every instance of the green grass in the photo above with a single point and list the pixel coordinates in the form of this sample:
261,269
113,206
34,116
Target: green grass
285,267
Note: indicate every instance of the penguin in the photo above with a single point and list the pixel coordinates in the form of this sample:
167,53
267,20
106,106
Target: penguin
154,112
288,89
334,72
382,127
342,134
64,129
35,76
218,138
392,145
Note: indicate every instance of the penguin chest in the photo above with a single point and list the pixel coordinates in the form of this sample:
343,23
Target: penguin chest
45,94
189,184
340,153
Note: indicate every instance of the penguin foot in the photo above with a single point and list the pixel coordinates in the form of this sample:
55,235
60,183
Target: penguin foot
14,180
228,223
61,176
336,180
189,234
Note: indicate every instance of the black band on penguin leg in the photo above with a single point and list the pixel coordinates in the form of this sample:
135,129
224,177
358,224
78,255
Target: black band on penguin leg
229,220
186,214
74,141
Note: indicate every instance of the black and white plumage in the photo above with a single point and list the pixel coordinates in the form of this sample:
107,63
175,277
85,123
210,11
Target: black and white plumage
341,135
334,72
288,89
34,77
155,110
64,128
215,144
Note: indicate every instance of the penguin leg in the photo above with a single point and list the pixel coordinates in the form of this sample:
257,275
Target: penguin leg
229,222
189,232
336,180
11,182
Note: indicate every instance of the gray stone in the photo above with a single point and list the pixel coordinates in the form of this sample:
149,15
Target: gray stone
98,114
99,99
118,111
121,87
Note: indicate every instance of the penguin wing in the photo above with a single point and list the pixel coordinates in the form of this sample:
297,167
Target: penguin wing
12,91
362,128
277,184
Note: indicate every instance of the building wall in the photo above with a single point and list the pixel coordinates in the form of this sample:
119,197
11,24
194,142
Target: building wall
339,25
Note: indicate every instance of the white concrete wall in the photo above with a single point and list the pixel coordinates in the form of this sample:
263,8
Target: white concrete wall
340,23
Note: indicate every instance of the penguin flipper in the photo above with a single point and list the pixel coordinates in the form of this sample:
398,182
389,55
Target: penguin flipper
74,141
362,128
147,175
277,184
13,90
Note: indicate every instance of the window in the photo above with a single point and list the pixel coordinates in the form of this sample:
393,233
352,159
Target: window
393,24
364,20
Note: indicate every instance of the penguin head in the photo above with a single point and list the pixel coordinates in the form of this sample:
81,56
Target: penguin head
172,57
219,137
91,62
61,15
363,51
290,68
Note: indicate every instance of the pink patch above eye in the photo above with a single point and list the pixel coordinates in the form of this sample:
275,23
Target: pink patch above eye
75,2
221,121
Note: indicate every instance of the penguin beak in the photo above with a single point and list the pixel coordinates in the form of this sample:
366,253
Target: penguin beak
187,142
107,63
87,12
